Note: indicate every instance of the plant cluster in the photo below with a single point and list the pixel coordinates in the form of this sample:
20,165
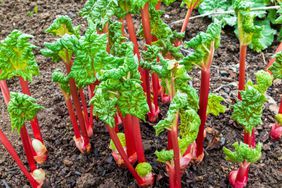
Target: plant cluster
111,75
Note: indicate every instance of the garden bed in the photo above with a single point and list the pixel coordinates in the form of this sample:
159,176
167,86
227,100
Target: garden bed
67,167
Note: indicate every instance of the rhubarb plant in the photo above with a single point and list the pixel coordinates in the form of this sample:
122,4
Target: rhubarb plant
17,60
276,69
23,108
120,89
203,45
63,50
248,113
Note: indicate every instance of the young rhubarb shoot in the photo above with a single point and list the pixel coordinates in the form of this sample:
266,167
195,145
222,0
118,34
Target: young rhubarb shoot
17,60
204,45
63,50
120,88
245,155
23,108
246,31
276,69
9,147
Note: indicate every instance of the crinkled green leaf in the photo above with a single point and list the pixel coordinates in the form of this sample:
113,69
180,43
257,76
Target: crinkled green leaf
121,138
188,128
168,2
90,53
276,67
61,49
62,25
62,80
278,118
248,112
245,19
262,40
201,46
212,6
17,58
263,81
22,108
214,105
191,3
242,152
143,169
164,156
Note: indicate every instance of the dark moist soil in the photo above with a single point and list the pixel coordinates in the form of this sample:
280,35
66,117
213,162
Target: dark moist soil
66,167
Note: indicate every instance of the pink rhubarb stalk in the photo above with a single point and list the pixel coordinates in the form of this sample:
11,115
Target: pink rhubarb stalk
4,140
129,137
138,139
279,48
239,178
242,69
276,129
89,129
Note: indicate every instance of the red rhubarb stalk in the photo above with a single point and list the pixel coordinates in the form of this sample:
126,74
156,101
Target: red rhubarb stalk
123,155
77,105
176,152
129,137
273,59
148,37
138,139
204,95
250,138
242,68
5,91
34,123
91,89
4,140
27,148
85,114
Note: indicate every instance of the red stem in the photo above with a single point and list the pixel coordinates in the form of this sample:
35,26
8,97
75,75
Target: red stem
279,48
138,139
171,178
129,137
34,123
155,82
27,148
158,6
204,95
85,110
242,69
5,91
91,89
280,107
122,153
242,172
4,140
72,116
176,151
186,20
249,138
77,105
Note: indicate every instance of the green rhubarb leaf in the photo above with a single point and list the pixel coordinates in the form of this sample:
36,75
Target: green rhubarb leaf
90,53
62,80
262,40
121,137
201,45
178,102
143,169
168,2
245,21
213,6
214,105
99,12
105,106
276,67
242,152
62,25
191,3
164,156
60,50
22,108
264,81
17,58
248,112
278,118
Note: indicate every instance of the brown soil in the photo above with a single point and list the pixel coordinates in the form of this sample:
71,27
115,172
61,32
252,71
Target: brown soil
66,167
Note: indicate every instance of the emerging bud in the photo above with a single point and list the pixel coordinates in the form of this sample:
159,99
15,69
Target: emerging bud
41,151
39,176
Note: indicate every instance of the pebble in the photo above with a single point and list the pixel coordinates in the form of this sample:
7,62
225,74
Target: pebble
67,162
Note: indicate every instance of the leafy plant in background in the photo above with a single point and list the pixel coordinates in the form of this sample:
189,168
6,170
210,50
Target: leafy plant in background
120,88
263,17
63,49
203,45
276,70
17,60
248,113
